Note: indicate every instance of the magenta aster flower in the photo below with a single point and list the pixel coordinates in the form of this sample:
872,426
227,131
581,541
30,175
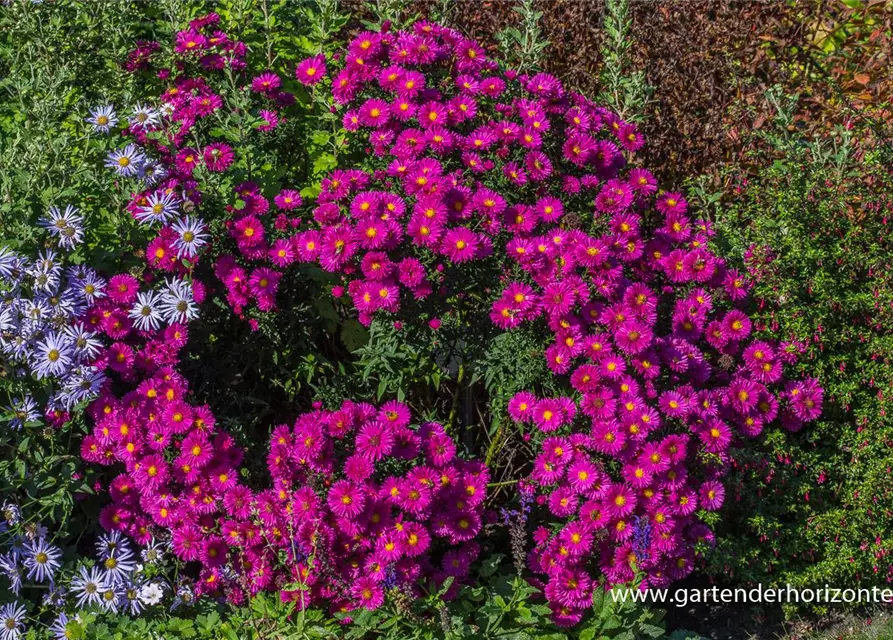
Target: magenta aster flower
311,71
394,413
619,501
583,475
736,325
459,244
346,500
375,440
270,120
712,494
267,82
521,406
187,160
218,157
122,288
187,543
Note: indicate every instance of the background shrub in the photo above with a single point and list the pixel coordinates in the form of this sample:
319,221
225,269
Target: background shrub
811,223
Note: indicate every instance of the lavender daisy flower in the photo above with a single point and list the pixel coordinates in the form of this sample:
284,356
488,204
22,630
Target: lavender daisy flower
109,597
144,116
185,597
67,226
9,567
152,173
118,566
23,411
60,629
84,383
103,118
46,271
12,621
88,587
129,596
145,313
77,272
191,237
52,357
127,161
55,596
111,543
17,347
91,287
65,305
42,559
153,553
11,264
160,207
85,344
177,303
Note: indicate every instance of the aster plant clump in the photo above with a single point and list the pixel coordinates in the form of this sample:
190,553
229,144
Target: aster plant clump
172,168
361,502
45,339
499,200
119,579
478,171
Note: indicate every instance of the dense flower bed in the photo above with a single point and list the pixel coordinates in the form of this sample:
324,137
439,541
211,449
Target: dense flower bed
461,181
474,166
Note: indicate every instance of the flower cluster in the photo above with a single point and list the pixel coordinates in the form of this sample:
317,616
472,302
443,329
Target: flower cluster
258,241
362,502
42,329
480,167
204,42
30,557
462,147
172,194
349,523
120,580
176,465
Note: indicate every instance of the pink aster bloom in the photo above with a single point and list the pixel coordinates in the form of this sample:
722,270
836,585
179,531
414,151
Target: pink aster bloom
270,120
218,157
375,440
620,500
267,82
460,244
311,71
122,288
712,494
521,406
346,500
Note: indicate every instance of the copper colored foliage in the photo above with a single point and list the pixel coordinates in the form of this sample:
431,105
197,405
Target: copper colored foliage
700,57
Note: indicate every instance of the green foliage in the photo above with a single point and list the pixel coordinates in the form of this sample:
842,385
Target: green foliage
810,222
399,13
512,363
624,90
204,626
524,46
501,605
57,61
